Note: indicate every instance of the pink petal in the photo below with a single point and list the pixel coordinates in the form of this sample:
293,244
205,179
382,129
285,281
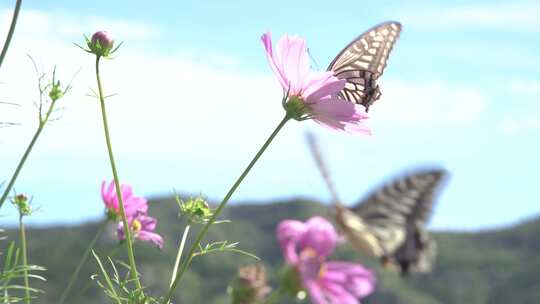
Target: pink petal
357,279
338,294
109,195
267,42
294,61
288,232
315,292
348,267
321,84
134,205
341,115
148,223
127,191
319,236
104,195
151,237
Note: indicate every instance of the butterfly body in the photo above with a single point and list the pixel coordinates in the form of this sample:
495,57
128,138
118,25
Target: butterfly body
363,61
361,235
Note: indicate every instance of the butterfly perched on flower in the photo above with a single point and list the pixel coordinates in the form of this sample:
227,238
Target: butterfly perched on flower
390,223
362,62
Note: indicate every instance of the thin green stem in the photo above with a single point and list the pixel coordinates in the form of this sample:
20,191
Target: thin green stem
179,254
205,228
129,243
24,260
111,289
89,284
11,30
75,274
19,166
41,125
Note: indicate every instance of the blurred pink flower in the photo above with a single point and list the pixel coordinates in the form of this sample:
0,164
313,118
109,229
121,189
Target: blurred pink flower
306,246
142,227
317,234
132,203
312,94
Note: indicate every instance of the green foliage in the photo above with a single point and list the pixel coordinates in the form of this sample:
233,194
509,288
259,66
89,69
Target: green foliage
12,272
222,246
119,288
495,267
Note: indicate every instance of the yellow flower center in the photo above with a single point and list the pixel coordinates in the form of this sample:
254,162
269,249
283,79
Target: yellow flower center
322,271
136,225
310,253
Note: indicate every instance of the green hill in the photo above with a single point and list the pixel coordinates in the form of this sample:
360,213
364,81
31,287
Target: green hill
492,267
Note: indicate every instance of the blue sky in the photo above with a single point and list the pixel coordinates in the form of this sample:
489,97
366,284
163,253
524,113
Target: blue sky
196,99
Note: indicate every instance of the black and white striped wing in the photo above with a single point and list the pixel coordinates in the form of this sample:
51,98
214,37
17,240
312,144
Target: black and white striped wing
363,61
390,222
404,199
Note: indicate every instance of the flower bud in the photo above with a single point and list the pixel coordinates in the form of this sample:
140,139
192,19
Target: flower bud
23,205
103,38
56,91
250,285
101,44
195,209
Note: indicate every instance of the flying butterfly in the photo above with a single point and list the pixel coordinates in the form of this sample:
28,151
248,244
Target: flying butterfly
390,223
362,62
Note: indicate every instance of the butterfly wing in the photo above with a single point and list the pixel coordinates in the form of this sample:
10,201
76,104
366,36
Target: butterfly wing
363,61
417,253
390,222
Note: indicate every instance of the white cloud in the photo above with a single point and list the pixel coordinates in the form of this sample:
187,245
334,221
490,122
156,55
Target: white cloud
431,103
523,124
508,16
195,100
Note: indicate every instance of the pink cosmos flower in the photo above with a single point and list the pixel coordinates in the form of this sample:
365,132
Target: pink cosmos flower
132,203
306,246
142,227
312,94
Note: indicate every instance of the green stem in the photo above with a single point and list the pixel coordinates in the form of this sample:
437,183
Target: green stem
75,274
24,260
203,231
127,230
11,30
26,153
179,254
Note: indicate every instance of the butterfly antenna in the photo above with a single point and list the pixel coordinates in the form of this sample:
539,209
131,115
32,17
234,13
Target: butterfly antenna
315,65
317,155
